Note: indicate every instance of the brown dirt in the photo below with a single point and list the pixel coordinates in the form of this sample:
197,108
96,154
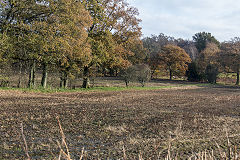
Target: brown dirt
191,119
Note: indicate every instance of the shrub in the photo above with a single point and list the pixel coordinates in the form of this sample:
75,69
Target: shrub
139,72
193,73
211,73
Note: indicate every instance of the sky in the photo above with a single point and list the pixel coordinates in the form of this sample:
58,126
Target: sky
184,18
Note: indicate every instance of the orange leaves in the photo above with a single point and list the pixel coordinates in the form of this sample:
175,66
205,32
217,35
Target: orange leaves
172,54
174,58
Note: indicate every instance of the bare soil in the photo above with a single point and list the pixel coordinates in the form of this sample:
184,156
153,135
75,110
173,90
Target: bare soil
117,124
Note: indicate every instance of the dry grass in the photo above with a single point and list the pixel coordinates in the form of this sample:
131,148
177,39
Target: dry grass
177,123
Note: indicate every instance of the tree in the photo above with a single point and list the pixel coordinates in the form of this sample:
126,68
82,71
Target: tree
193,73
154,45
48,33
175,59
205,66
139,72
143,74
208,56
140,53
152,49
114,28
211,73
64,40
202,38
16,21
230,56
25,51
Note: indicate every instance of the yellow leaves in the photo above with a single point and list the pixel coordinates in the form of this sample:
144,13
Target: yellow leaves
73,13
63,33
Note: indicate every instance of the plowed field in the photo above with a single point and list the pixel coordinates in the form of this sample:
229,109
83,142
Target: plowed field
120,124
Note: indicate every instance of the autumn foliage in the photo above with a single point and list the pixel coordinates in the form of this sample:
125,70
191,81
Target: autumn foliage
73,37
91,37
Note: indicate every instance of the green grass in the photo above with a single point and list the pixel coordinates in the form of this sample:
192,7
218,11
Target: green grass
54,90
49,90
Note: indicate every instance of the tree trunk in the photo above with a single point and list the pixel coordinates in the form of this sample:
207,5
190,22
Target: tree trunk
126,82
86,81
170,73
112,72
104,72
44,75
20,75
63,79
31,81
237,82
143,83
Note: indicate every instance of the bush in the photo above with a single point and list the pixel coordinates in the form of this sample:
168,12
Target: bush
211,73
139,72
193,73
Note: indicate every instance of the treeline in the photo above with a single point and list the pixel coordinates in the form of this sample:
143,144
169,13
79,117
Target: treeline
208,56
86,37
72,37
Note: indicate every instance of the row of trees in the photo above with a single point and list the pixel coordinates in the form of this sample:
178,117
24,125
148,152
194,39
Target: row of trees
208,56
68,35
76,38
215,57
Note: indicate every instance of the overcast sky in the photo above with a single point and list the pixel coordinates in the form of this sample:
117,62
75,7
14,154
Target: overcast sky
184,18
